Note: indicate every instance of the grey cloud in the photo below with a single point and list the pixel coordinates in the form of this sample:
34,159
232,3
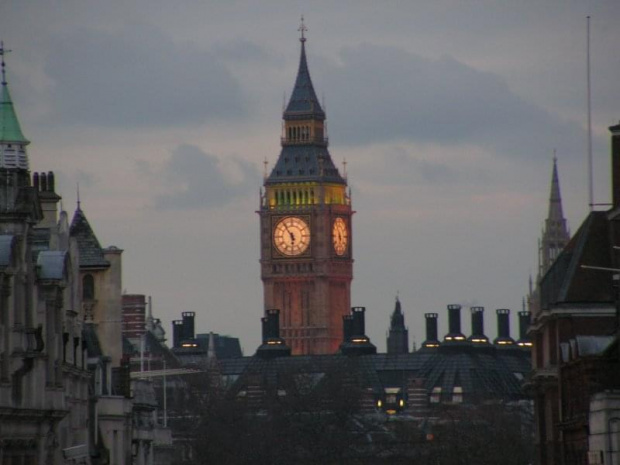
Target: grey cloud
399,166
139,77
86,178
198,180
244,51
384,94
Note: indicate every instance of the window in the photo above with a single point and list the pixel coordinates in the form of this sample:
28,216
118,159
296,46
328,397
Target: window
436,395
457,394
88,287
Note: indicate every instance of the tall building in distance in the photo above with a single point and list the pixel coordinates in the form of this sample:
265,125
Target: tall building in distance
398,336
305,228
555,236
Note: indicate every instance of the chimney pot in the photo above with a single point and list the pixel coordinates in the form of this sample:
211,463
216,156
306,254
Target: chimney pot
188,324
431,330
503,327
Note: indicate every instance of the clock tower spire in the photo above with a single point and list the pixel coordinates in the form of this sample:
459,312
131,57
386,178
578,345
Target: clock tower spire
306,239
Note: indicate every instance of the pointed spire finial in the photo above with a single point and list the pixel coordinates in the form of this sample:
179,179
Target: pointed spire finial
302,29
3,52
78,196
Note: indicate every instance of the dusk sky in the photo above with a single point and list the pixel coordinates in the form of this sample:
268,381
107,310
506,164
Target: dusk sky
447,113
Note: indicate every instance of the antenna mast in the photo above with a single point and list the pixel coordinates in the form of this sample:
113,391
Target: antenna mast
590,178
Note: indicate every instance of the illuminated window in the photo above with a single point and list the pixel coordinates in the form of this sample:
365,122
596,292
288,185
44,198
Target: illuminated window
457,394
436,395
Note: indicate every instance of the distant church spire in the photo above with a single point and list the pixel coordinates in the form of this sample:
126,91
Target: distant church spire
555,235
398,336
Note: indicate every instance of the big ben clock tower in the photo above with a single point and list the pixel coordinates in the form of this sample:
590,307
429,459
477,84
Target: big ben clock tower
305,220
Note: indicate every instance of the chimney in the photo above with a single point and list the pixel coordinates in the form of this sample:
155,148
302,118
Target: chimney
271,325
431,330
454,324
615,165
188,325
358,321
503,328
477,326
347,328
44,184
357,342
177,333
524,324
273,345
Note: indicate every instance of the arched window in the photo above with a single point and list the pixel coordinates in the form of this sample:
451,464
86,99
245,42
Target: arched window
88,287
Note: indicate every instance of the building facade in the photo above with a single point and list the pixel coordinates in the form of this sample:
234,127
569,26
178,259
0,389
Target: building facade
576,300
43,375
306,228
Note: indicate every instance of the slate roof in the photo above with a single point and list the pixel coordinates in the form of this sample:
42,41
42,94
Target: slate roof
567,282
483,373
303,102
91,254
51,265
225,346
312,369
302,163
10,130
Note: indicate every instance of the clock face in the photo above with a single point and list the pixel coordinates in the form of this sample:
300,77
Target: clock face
291,236
340,236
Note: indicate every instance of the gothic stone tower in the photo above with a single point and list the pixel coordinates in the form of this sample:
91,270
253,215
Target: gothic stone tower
305,220
555,236
398,336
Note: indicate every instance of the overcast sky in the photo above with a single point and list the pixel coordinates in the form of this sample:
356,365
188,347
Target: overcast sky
447,113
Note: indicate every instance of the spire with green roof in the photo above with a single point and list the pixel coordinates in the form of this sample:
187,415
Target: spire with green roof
12,141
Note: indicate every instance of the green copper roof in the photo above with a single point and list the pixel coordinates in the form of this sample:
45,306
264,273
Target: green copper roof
10,131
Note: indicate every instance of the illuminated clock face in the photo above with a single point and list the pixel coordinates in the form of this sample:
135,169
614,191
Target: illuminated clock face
340,236
291,236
